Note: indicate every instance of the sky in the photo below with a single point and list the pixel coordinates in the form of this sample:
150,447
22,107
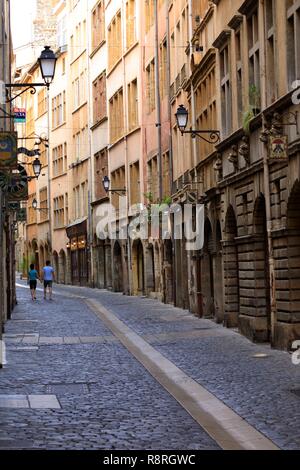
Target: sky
22,16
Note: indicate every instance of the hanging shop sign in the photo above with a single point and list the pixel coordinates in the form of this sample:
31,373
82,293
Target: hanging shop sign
19,115
278,147
15,184
8,150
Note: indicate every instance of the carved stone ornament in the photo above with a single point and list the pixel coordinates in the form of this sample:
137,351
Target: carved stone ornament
233,157
218,167
244,149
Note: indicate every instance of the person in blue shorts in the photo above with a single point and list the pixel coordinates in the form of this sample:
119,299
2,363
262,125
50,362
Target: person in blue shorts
33,276
48,277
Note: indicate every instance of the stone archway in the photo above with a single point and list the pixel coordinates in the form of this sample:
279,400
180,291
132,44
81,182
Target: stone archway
218,276
231,270
138,277
118,279
287,263
62,265
150,269
168,290
255,315
207,272
56,266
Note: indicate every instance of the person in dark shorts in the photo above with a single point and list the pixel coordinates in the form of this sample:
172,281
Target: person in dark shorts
33,276
48,277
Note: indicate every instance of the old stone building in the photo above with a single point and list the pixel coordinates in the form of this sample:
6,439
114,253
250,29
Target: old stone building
245,87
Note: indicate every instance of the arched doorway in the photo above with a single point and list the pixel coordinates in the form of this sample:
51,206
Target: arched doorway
150,269
138,278
62,267
231,270
207,272
218,276
168,290
56,266
118,281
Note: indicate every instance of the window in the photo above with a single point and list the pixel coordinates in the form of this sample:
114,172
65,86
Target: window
163,69
30,121
59,156
239,75
130,23
66,208
132,105
99,98
270,51
225,89
79,90
62,32
59,212
254,60
59,109
150,86
114,40
31,212
293,46
116,116
101,170
117,181
153,179
166,181
206,118
98,24
43,157
42,102
149,14
43,204
134,183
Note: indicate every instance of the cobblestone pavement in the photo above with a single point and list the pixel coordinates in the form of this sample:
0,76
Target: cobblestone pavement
105,398
263,390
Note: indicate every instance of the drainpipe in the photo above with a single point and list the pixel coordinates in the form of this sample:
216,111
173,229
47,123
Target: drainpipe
127,169
193,103
158,107
49,176
264,153
90,161
169,104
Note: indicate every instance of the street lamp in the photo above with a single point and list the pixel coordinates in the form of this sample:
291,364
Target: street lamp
182,116
36,208
37,167
106,185
47,62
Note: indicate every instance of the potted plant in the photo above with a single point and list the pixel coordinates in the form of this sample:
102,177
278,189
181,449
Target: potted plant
253,109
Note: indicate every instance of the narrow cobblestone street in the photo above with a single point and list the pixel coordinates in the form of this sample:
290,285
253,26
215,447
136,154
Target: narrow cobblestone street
69,382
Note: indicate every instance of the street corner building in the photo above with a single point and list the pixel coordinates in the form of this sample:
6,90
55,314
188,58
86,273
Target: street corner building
108,131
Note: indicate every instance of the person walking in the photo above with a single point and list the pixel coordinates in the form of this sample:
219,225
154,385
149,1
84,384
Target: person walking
48,278
33,276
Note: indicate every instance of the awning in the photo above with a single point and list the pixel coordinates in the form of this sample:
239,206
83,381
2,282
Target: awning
77,228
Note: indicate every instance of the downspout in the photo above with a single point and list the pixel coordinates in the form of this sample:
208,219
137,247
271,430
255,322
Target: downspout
127,175
264,153
90,162
49,175
193,103
171,163
158,105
